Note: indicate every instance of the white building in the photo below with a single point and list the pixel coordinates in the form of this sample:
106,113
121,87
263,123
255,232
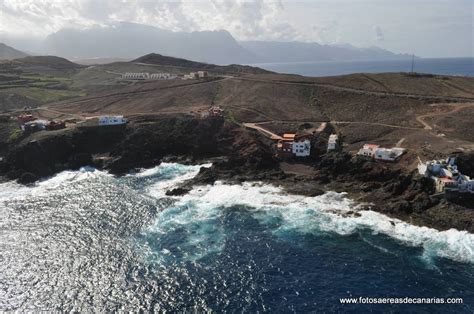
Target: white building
111,120
162,76
333,142
34,125
202,74
301,148
193,75
380,153
466,185
446,176
135,76
388,154
102,121
368,150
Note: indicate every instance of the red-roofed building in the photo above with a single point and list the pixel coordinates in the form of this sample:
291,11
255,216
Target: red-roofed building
24,118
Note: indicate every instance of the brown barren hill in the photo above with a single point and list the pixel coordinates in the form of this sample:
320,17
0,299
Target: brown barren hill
154,58
368,107
392,83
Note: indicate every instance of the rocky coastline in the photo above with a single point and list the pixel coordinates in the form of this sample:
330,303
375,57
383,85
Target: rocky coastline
238,155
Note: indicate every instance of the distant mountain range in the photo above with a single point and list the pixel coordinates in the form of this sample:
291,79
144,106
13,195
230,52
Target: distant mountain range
9,53
273,51
129,40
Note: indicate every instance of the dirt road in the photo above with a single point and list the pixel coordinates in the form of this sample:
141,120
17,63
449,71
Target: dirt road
341,122
456,108
265,132
354,90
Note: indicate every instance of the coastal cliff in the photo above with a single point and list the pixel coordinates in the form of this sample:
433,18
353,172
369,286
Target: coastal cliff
238,155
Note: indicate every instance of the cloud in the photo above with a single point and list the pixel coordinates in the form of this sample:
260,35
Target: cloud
256,19
379,35
327,33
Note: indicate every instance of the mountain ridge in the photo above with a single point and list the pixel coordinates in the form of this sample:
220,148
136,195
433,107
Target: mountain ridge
131,40
9,53
158,59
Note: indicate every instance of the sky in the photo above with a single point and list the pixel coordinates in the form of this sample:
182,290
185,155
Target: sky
427,28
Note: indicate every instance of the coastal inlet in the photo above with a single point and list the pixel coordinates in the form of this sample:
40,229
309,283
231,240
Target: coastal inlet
88,241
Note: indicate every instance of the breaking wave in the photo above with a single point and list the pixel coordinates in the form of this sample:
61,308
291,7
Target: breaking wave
329,213
87,241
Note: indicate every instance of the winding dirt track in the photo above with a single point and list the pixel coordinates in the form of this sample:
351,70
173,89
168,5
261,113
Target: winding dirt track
354,90
137,92
456,108
341,122
264,131
420,118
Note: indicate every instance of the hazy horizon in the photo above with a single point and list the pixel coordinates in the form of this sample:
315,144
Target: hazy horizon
429,29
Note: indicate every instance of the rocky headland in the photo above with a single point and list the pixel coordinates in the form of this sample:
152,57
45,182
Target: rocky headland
238,155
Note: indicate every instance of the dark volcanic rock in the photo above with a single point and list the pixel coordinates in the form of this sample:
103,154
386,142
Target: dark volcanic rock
46,153
465,162
145,145
27,177
177,192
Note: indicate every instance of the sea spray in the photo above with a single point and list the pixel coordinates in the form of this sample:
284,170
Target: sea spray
89,241
330,213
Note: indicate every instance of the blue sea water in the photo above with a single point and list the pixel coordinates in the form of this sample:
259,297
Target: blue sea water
443,66
87,241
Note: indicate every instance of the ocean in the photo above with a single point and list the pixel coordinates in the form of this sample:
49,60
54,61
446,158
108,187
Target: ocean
87,241
443,66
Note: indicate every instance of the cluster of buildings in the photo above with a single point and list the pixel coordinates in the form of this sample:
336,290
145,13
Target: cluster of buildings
214,111
30,124
148,76
196,75
141,76
446,176
376,152
292,144
103,121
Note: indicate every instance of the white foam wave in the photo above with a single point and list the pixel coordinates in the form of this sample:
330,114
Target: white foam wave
71,176
170,174
330,212
12,190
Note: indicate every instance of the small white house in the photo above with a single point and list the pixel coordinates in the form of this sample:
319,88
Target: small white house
368,150
466,186
388,154
111,120
443,184
446,176
301,148
333,142
202,74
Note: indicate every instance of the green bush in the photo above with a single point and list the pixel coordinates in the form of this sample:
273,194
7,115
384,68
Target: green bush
15,134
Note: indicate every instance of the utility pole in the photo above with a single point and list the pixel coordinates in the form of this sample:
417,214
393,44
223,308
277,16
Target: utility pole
412,62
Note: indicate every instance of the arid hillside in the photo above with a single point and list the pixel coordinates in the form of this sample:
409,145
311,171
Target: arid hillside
428,113
399,83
